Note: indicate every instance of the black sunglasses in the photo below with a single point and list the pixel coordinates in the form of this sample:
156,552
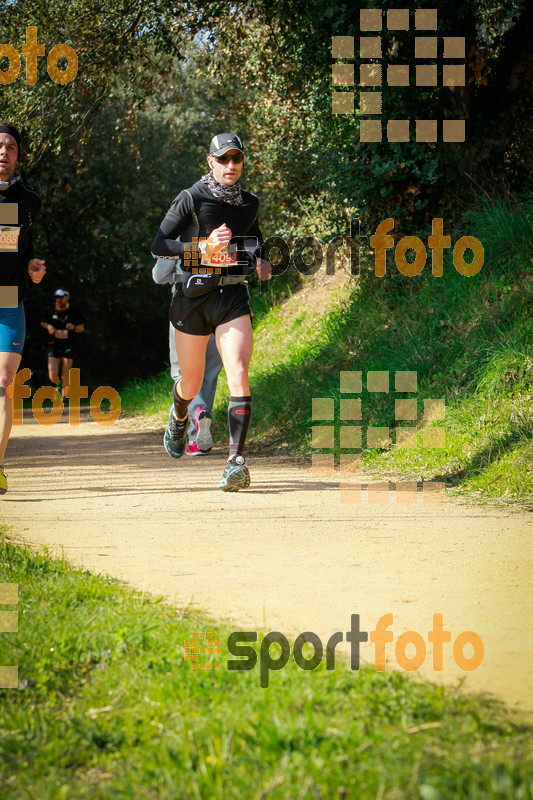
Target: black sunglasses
237,159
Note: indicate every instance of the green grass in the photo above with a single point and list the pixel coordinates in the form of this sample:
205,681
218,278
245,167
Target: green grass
108,708
470,340
149,396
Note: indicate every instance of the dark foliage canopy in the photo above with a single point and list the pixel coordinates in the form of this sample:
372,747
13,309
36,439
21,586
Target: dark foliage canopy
110,150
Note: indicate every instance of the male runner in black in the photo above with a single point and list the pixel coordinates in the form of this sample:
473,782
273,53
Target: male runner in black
16,261
62,322
217,211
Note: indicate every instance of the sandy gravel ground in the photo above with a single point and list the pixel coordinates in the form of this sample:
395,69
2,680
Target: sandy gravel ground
285,554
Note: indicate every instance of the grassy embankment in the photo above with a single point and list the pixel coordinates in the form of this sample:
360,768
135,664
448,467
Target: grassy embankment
470,340
108,708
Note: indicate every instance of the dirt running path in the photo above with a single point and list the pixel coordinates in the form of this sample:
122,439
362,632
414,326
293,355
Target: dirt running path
284,555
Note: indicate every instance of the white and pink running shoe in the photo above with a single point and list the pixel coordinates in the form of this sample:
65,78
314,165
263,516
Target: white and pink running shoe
192,450
204,440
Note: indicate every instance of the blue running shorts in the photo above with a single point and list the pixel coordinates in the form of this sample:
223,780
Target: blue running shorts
12,329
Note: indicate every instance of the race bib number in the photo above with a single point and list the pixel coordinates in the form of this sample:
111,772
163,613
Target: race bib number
9,238
63,334
226,257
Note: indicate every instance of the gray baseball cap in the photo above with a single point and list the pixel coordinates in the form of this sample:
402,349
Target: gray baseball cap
223,142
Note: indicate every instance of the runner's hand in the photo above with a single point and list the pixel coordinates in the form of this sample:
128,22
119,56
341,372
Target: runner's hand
51,330
36,269
220,237
264,269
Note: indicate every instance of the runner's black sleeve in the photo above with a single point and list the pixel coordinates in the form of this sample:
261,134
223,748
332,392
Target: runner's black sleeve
253,241
29,252
177,220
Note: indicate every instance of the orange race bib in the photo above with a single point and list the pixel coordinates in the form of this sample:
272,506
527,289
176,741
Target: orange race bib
9,238
225,257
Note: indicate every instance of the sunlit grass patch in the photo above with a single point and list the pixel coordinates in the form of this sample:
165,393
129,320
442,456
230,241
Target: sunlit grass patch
107,706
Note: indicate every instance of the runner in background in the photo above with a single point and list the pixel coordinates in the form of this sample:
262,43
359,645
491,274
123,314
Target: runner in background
217,224
16,260
200,407
61,322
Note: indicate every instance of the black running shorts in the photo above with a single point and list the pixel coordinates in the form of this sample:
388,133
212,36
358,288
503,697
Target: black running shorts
58,350
200,316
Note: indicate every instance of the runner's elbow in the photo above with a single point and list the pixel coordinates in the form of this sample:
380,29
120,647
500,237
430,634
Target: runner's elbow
159,245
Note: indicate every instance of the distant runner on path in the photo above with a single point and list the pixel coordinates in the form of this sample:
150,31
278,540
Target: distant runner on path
61,321
217,223
16,260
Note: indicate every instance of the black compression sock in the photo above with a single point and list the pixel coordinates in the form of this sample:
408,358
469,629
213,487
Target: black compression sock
180,405
239,413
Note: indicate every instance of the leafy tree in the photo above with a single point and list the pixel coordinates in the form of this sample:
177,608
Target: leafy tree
315,158
109,150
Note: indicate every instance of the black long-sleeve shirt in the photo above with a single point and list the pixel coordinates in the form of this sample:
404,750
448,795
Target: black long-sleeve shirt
195,213
14,266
